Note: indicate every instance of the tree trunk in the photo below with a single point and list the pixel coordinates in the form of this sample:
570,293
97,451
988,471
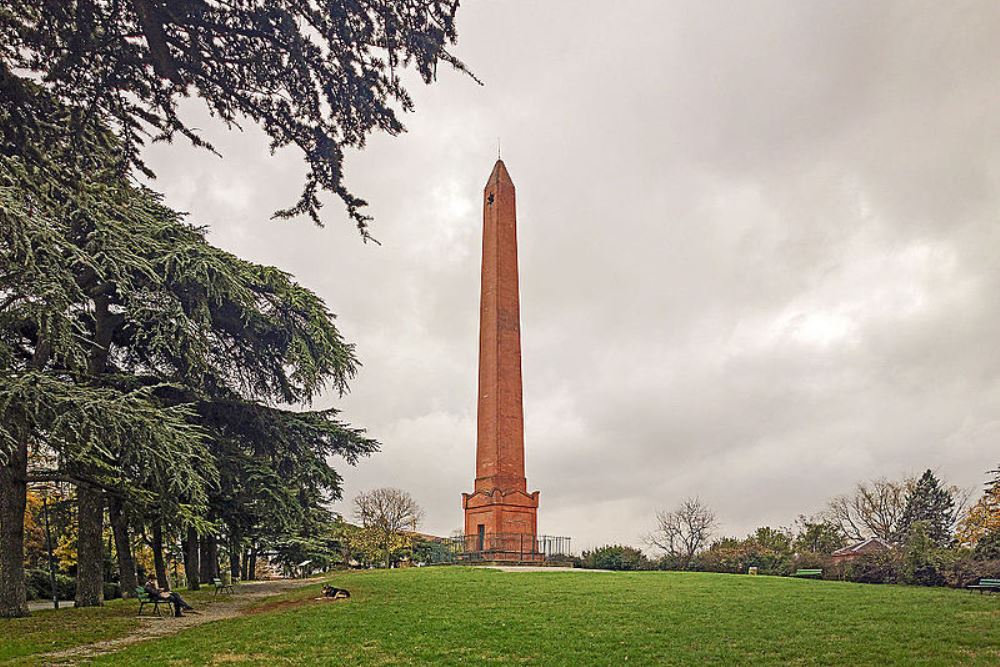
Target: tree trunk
13,502
123,547
90,547
159,564
191,565
252,567
213,555
245,574
209,555
234,561
90,501
213,549
13,499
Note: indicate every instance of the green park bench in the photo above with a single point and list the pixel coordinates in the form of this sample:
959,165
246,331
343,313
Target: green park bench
144,598
985,585
808,573
222,587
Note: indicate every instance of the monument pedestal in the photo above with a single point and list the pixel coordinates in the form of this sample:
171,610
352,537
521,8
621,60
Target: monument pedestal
499,512
502,526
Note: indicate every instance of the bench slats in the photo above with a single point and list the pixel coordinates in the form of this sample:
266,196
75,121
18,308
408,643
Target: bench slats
986,584
144,598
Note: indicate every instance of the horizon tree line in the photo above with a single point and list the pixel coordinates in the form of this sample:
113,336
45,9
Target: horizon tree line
926,522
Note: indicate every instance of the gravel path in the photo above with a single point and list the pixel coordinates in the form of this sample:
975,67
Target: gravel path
153,627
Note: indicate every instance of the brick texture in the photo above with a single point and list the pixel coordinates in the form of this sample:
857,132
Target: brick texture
500,501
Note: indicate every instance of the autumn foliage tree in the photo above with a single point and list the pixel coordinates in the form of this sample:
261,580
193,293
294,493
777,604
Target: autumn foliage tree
982,520
388,517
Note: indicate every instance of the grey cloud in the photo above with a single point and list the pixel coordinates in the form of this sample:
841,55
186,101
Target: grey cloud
758,254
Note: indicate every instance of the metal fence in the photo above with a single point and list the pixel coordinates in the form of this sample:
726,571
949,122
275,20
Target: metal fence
518,547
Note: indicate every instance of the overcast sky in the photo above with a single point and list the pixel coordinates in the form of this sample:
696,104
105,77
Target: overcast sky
758,248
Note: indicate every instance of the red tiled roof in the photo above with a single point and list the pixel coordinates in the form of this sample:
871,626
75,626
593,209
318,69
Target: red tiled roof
861,547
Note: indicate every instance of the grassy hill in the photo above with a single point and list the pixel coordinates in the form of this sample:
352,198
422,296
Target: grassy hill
464,616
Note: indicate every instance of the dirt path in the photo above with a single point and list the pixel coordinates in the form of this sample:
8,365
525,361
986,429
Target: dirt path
153,627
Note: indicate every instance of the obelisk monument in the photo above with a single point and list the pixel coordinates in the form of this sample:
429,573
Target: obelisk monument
500,504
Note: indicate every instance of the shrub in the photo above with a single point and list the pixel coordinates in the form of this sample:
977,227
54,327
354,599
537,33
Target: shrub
882,567
725,555
963,568
767,549
112,590
574,561
811,560
768,561
66,585
988,546
37,584
668,562
923,562
424,551
614,557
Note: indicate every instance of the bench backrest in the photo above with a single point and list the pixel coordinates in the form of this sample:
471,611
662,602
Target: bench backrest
216,582
989,582
808,571
142,594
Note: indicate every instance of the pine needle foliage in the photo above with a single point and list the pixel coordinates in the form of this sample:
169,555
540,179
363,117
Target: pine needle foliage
932,505
319,75
144,359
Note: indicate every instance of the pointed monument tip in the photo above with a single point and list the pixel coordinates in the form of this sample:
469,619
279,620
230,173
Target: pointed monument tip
499,174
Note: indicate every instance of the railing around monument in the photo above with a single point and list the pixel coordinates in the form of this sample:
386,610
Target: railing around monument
508,547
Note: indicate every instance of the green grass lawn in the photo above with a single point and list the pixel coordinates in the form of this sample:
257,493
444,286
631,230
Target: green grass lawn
52,630
459,616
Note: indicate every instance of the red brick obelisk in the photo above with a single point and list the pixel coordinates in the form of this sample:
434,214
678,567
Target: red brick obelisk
500,504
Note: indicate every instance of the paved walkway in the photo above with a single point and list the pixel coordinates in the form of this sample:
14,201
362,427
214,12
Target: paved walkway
153,627
42,605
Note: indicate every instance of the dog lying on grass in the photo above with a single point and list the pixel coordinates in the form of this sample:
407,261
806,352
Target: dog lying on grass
334,592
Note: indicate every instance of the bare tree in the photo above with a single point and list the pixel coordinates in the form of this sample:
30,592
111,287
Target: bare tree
387,515
873,509
685,531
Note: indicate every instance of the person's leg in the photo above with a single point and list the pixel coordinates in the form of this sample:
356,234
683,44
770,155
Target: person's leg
180,601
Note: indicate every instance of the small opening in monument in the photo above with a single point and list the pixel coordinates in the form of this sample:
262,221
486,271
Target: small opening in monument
489,200
481,531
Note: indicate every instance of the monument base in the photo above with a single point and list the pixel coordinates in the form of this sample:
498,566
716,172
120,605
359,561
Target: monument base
514,512
502,526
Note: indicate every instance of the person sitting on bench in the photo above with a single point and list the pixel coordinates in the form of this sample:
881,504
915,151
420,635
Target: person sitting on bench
170,596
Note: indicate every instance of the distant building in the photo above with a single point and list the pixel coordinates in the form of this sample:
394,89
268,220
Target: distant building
871,545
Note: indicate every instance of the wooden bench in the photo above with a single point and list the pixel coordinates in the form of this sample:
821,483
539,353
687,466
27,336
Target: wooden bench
144,598
224,588
808,573
985,585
